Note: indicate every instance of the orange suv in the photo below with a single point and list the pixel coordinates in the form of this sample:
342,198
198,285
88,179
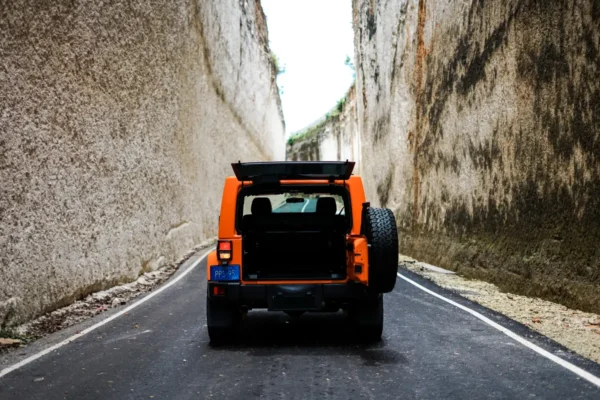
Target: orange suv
299,237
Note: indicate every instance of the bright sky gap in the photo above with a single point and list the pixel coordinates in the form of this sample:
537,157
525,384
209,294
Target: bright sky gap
312,39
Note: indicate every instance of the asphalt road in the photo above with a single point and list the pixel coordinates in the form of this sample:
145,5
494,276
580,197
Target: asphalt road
431,350
308,206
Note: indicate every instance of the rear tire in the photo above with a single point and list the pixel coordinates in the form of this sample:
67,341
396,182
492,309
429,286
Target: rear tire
379,226
368,316
222,320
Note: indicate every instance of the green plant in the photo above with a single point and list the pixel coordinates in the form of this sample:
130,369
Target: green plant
348,62
308,133
279,69
10,334
341,104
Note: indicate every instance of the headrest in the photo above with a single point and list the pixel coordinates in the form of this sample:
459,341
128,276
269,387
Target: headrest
326,206
261,206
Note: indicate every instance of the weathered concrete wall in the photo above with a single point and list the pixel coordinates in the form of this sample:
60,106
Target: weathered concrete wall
117,123
335,137
480,128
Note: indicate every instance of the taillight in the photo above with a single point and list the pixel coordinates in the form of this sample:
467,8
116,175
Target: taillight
218,291
224,250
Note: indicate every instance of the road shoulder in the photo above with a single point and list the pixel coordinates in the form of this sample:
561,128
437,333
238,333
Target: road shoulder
82,321
575,331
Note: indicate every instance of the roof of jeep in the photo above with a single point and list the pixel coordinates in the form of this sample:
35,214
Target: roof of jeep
259,172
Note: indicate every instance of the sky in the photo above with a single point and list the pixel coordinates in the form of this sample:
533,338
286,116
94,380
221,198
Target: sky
311,38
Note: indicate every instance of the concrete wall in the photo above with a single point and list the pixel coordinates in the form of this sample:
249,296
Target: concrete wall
480,128
118,122
335,137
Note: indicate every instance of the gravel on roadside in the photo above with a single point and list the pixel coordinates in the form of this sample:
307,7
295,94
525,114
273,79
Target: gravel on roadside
576,330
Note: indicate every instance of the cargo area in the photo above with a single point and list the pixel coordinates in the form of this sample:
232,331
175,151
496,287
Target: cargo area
308,244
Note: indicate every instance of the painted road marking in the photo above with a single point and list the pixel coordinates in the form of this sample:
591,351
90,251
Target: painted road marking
576,370
42,353
306,205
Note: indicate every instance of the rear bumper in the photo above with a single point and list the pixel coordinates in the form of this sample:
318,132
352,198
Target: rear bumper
292,297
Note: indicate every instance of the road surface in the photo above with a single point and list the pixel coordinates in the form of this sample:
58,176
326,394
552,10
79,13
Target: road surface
431,350
308,206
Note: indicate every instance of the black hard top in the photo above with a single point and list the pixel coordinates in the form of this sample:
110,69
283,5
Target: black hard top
292,170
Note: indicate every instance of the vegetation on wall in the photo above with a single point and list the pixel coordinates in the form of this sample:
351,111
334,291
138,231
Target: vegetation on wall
313,131
307,133
279,69
348,62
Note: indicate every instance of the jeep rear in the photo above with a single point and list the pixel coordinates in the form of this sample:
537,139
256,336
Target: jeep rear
298,237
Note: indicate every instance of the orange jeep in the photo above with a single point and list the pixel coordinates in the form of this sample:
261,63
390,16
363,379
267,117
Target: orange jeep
298,237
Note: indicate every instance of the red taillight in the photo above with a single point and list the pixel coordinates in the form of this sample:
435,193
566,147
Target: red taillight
218,291
224,250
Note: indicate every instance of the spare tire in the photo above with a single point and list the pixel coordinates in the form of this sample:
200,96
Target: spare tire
379,226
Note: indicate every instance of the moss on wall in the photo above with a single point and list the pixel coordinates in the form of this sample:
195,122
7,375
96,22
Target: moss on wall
334,137
487,114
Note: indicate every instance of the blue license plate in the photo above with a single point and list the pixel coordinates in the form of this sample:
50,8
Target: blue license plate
225,273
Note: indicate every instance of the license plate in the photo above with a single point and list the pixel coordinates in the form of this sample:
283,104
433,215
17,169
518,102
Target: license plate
225,273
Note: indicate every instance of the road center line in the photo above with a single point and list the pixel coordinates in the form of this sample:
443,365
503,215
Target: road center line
576,370
42,353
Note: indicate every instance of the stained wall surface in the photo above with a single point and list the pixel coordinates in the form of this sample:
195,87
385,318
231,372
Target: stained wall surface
118,122
479,125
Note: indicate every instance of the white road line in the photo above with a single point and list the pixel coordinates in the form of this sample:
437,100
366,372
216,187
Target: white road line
42,353
306,205
576,370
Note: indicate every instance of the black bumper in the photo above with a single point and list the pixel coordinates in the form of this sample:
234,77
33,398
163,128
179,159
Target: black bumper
293,297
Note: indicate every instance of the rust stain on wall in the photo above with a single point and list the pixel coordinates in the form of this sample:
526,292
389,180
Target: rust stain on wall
420,61
496,147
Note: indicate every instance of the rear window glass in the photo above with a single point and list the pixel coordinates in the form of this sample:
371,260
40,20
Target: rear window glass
297,202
